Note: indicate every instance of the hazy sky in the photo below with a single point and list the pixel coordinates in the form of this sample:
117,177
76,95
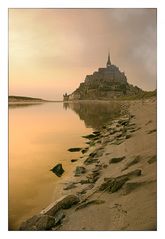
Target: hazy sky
52,50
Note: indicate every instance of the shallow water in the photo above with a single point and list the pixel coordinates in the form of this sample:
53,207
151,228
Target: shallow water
39,136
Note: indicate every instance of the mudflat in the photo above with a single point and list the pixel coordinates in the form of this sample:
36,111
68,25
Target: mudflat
114,185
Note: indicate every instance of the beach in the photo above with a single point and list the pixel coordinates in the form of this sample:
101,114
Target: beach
114,184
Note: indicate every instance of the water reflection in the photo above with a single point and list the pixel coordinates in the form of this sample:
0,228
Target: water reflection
94,113
15,105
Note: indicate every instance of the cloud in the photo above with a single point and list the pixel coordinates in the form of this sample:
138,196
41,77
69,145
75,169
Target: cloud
70,43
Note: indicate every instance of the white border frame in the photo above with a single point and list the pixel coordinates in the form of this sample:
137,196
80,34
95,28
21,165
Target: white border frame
160,5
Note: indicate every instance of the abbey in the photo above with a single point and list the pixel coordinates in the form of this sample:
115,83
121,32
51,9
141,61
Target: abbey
106,83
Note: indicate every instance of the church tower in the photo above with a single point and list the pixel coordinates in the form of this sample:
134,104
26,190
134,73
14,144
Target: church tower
109,61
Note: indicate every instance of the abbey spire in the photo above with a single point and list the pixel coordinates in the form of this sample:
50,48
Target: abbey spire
109,61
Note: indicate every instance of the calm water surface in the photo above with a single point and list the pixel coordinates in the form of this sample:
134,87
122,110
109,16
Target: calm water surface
39,136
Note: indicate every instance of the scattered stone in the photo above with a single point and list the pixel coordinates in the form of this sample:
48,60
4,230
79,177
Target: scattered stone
117,142
80,170
116,160
92,143
89,136
93,177
85,181
119,134
107,153
63,203
134,161
73,160
74,149
112,131
58,170
70,186
124,121
38,223
59,216
91,160
86,204
88,142
84,150
152,159
93,154
128,136
96,132
130,186
152,131
133,173
105,165
132,124
113,184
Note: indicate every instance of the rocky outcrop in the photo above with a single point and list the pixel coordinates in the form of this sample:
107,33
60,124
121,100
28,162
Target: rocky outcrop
106,83
50,216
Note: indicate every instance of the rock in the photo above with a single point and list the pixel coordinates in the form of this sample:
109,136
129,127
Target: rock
74,149
152,131
134,161
132,125
113,184
38,223
130,186
96,132
59,216
70,186
97,168
73,160
117,142
93,177
133,173
92,144
84,150
119,134
112,131
152,159
90,160
128,136
80,170
105,165
63,203
93,154
58,170
124,121
116,160
107,153
89,136
104,127
85,181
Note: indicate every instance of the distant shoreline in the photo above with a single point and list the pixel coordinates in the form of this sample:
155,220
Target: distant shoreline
22,100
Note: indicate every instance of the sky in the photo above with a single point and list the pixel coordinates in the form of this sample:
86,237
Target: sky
52,50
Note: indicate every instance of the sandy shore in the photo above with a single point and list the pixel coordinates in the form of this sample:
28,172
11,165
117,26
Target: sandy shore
114,183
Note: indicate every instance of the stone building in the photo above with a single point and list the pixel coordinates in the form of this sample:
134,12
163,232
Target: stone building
65,97
106,83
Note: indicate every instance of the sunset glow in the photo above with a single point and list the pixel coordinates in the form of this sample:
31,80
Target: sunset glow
52,50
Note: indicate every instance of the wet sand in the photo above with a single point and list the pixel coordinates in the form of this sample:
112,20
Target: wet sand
115,179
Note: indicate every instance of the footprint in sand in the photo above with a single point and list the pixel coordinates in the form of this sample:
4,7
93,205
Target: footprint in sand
118,219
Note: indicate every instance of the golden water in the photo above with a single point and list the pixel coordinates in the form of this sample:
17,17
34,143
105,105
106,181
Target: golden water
39,136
